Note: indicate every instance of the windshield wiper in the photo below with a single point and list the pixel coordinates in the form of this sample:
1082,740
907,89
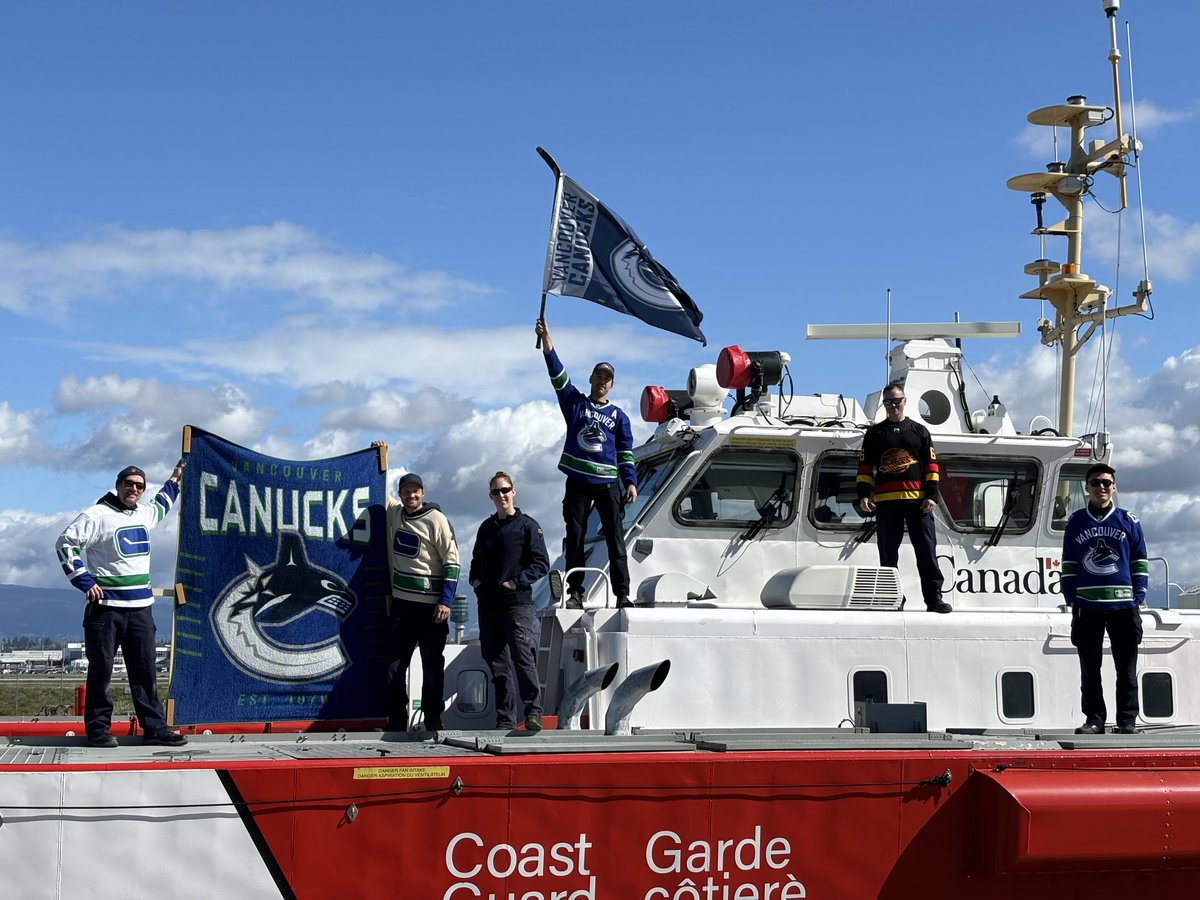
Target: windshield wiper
864,533
1009,502
767,513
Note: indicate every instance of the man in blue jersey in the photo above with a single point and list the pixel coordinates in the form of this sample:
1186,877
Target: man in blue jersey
1104,579
597,459
105,551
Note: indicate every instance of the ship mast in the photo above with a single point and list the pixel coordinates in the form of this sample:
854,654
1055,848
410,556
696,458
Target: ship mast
1080,303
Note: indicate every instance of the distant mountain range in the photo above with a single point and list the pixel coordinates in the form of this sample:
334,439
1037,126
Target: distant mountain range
57,613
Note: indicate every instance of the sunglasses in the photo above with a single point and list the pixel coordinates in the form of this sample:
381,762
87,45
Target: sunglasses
894,401
140,485
1101,483
496,492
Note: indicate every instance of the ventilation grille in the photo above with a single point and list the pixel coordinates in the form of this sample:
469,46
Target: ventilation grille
875,588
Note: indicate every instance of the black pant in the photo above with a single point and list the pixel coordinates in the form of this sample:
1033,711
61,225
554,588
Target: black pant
1124,627
891,518
507,643
105,628
413,626
578,501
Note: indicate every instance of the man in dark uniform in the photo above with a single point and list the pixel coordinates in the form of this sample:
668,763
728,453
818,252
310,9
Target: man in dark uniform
897,463
509,556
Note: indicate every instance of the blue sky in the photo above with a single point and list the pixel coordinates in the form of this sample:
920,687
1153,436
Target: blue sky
304,226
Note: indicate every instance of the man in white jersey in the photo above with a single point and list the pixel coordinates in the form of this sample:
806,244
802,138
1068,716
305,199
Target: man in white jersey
105,552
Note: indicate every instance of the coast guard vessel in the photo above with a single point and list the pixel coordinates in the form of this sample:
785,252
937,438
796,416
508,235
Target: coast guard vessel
776,718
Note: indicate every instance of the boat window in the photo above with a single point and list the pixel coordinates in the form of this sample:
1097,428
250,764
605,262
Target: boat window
1158,695
1016,695
978,493
652,474
742,486
1069,495
870,686
833,501
471,692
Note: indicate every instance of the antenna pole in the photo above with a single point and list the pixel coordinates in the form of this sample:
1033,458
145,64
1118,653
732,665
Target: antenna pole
1114,57
887,341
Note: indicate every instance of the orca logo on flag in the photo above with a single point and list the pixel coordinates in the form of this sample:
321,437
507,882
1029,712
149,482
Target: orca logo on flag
133,541
266,622
636,276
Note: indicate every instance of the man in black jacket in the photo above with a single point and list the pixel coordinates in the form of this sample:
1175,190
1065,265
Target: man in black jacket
509,556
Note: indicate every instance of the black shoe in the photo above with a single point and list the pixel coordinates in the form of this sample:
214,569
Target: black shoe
165,739
1127,729
939,606
624,603
574,600
505,726
533,723
433,724
1089,728
105,741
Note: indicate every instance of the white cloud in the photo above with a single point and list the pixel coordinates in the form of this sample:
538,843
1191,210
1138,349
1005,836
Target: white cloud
142,419
111,263
19,438
388,410
28,540
1152,118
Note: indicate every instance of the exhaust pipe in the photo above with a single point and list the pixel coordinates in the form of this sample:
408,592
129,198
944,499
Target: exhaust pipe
629,692
570,708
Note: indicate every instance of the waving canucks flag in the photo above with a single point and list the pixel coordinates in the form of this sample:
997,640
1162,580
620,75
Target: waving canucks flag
594,254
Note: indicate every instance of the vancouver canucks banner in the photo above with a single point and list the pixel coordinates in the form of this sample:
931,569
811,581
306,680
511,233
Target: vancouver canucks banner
594,254
283,569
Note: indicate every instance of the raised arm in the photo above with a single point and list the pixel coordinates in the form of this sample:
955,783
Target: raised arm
542,330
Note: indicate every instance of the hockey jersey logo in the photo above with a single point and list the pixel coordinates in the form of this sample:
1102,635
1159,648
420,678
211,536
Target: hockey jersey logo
1101,559
406,543
132,541
591,438
896,460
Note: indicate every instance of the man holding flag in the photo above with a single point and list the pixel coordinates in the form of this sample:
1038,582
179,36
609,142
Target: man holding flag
597,459
593,253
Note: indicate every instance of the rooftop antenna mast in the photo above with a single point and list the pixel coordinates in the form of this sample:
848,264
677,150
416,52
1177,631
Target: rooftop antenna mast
887,341
1080,303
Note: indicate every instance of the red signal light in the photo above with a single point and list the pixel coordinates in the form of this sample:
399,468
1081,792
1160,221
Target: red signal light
733,368
661,405
654,404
